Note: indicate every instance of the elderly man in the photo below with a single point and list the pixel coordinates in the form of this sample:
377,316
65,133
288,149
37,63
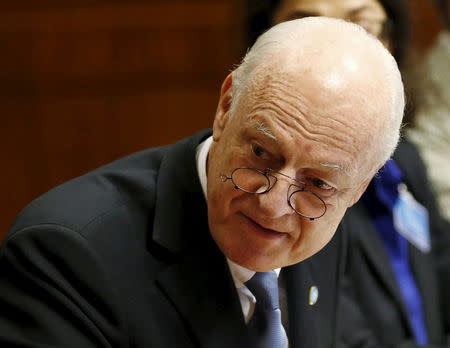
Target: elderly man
133,255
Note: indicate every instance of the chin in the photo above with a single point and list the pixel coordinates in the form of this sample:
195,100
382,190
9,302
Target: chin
254,259
247,248
256,265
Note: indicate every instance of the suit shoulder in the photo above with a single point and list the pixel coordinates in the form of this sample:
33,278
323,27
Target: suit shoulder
127,182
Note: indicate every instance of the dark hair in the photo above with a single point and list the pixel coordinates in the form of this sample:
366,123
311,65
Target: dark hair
259,18
444,7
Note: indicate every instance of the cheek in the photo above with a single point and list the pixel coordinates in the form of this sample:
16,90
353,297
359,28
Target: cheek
334,216
316,235
221,198
338,206
330,224
318,238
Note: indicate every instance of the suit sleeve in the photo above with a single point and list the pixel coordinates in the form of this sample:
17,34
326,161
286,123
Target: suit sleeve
54,292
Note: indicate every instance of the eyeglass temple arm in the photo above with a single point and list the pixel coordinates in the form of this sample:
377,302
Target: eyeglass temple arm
224,177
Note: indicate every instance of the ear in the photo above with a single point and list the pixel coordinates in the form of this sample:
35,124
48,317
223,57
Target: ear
360,192
223,108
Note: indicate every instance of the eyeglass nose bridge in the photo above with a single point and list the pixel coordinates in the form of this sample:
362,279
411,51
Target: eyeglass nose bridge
298,183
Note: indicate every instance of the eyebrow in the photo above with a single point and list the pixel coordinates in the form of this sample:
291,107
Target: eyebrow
345,168
358,10
262,128
332,166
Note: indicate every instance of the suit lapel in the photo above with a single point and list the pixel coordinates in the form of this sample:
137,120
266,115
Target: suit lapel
178,186
314,324
196,279
366,234
203,293
302,318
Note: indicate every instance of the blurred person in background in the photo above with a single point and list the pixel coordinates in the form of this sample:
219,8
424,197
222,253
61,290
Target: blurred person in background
430,130
393,295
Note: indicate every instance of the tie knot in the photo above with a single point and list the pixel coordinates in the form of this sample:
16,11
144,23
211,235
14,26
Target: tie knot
264,286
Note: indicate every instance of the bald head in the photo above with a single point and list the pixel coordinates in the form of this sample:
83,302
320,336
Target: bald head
329,61
317,103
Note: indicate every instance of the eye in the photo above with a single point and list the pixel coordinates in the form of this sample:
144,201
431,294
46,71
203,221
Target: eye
319,183
263,157
258,150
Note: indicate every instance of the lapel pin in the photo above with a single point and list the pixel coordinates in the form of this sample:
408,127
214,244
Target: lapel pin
313,295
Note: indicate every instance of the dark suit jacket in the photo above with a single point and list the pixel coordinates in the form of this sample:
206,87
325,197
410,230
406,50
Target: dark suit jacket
122,257
372,310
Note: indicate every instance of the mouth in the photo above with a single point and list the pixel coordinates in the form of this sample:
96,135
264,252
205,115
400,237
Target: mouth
262,231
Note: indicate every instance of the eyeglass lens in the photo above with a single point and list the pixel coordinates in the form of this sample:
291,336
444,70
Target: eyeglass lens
250,180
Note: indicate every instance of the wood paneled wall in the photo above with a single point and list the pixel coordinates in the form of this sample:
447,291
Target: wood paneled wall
85,82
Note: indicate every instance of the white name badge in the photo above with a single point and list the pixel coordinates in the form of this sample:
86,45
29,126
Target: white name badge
411,220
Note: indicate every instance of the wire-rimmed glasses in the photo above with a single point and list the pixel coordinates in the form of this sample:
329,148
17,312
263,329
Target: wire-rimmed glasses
252,180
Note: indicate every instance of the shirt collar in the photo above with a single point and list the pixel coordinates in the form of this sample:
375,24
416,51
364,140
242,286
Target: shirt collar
241,274
201,157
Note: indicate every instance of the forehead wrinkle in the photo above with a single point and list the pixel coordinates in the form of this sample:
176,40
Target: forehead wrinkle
276,94
291,124
289,104
282,101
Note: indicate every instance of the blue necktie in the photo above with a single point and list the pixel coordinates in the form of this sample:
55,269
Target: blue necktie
265,328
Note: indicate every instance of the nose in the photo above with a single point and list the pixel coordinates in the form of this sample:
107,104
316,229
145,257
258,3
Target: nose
274,204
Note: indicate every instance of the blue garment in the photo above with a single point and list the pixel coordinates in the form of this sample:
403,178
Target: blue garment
380,198
265,327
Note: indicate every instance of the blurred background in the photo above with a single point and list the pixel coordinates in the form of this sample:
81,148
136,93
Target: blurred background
85,82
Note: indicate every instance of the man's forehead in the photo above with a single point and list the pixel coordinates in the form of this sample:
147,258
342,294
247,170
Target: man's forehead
263,129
